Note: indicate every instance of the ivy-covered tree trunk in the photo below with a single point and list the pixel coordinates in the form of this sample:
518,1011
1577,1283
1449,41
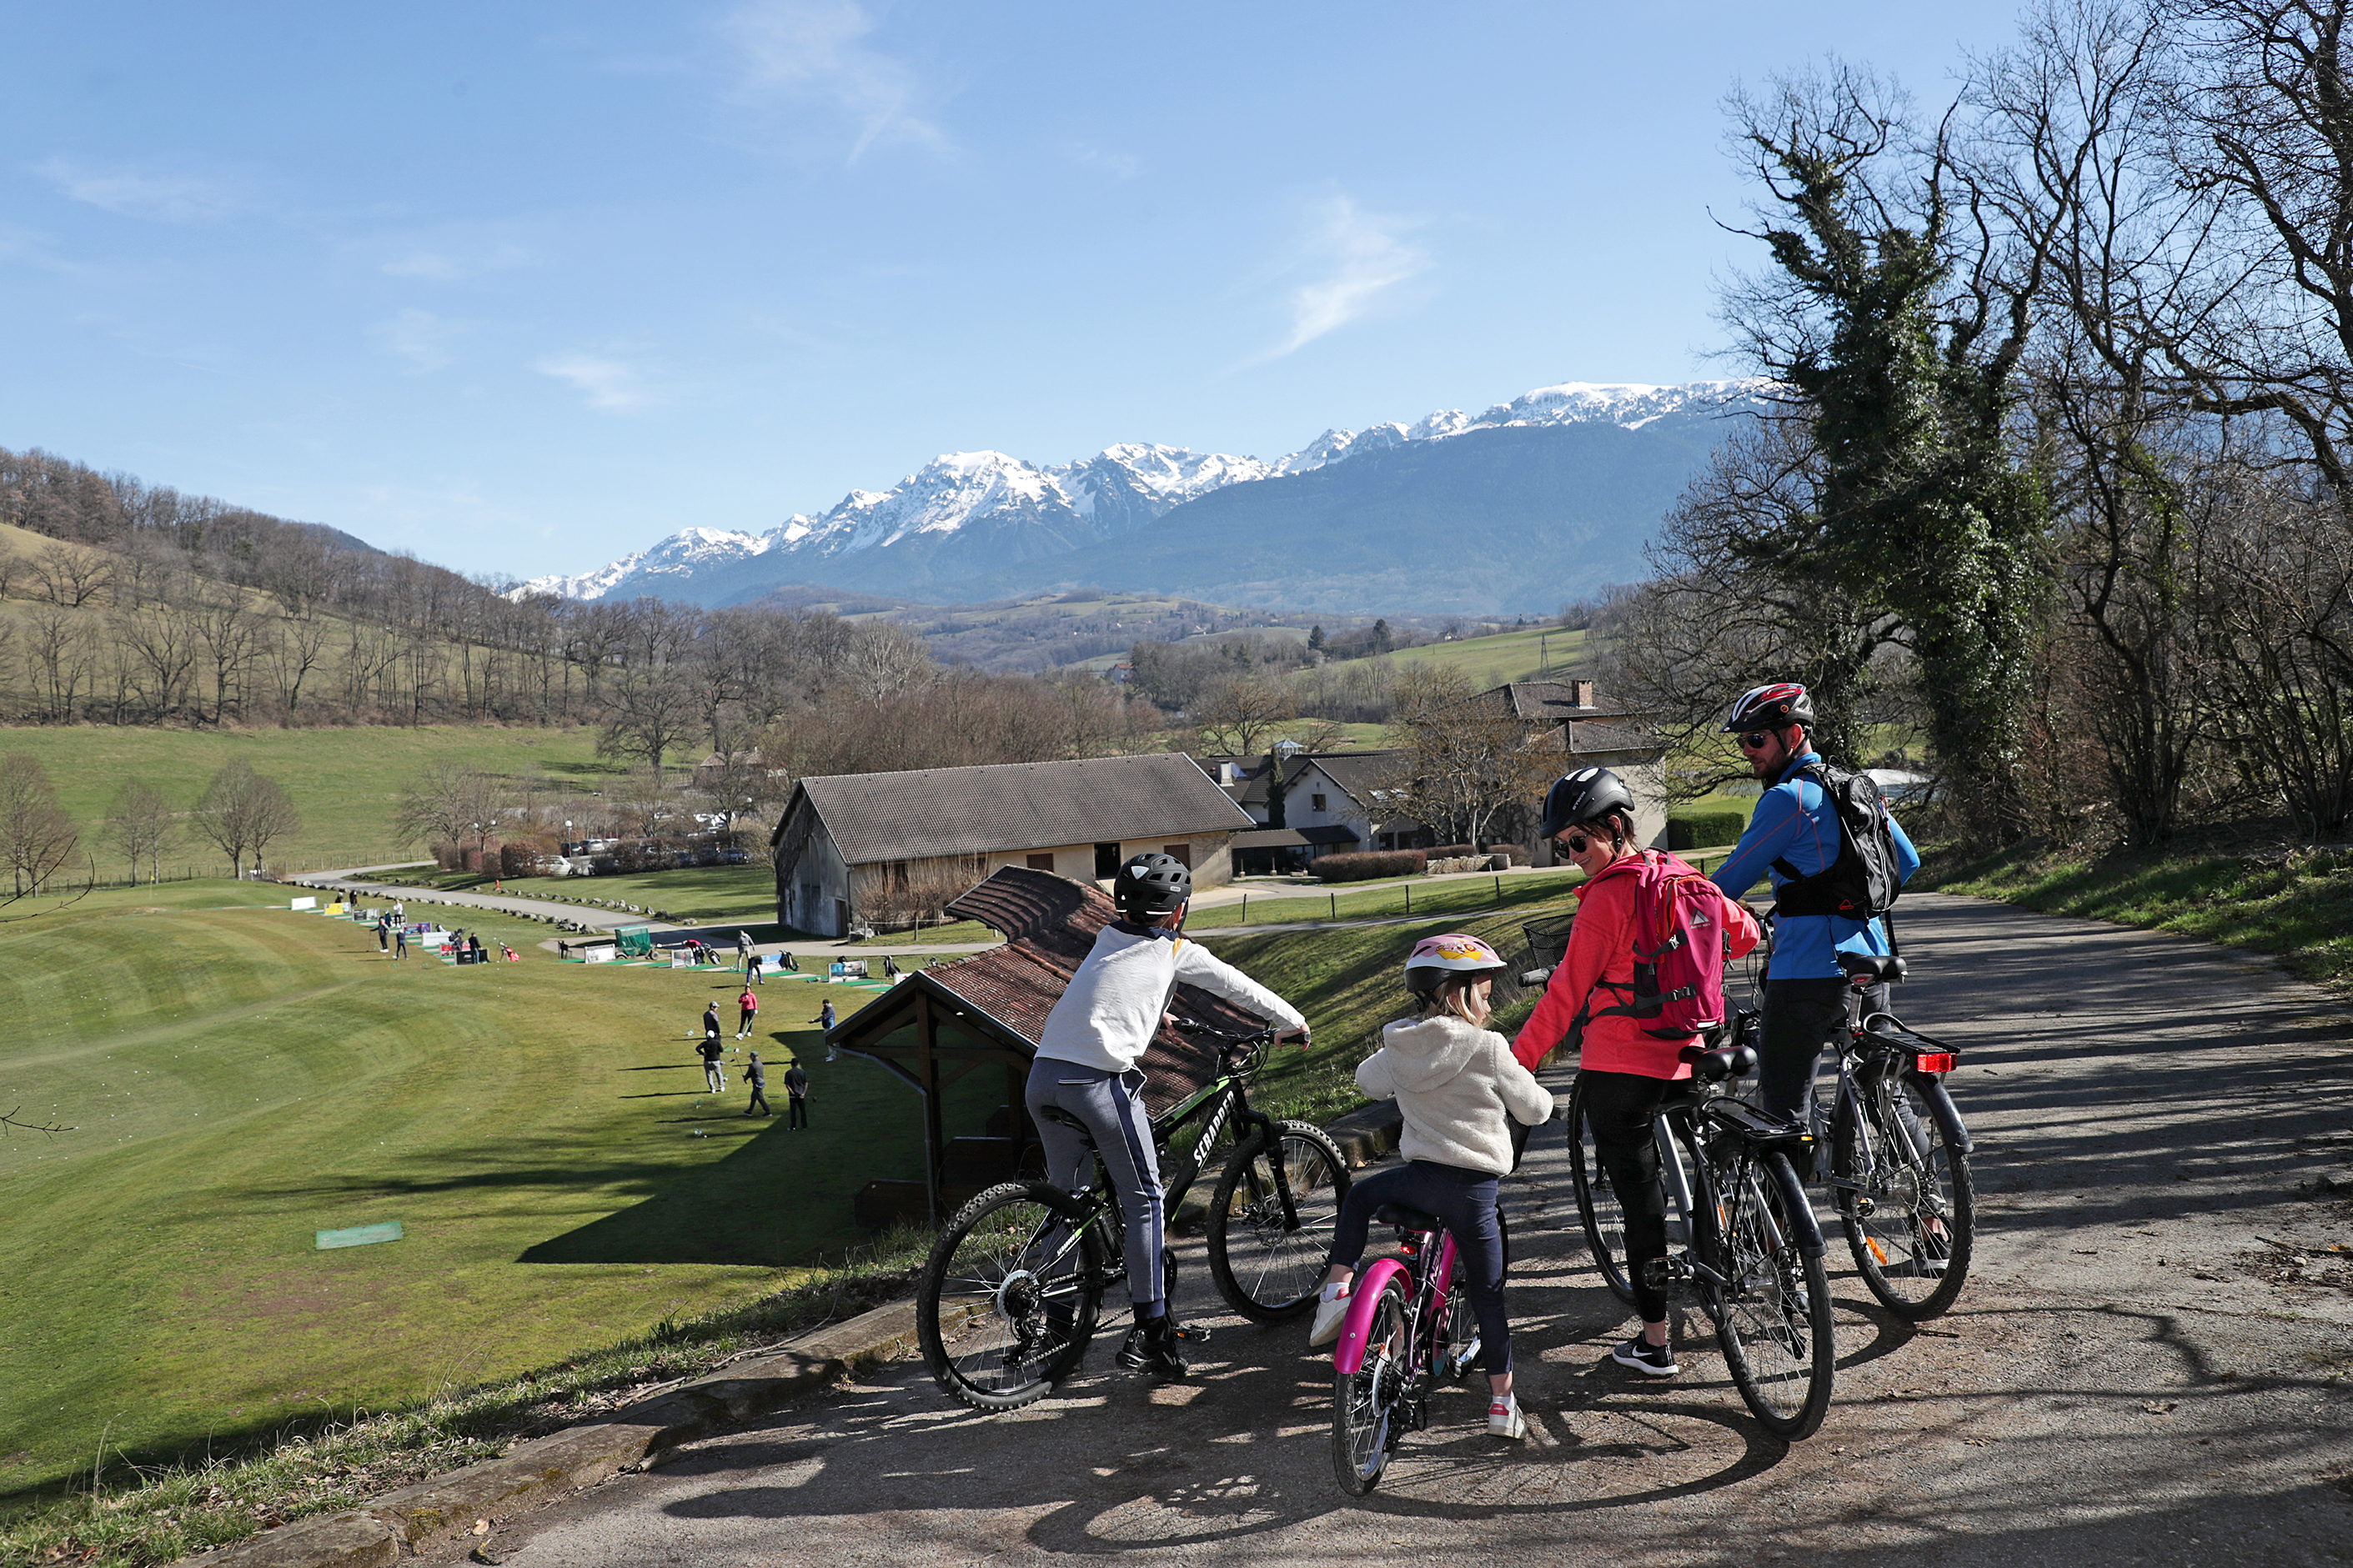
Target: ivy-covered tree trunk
1903,361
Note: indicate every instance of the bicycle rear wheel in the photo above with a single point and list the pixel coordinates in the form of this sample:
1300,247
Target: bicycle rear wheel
1773,1320
1367,1404
1913,1224
1009,1295
1268,1260
1597,1201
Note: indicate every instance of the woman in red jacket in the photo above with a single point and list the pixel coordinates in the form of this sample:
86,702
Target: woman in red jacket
1624,1071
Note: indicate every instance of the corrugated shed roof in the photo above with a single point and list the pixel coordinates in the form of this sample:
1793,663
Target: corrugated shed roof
1018,805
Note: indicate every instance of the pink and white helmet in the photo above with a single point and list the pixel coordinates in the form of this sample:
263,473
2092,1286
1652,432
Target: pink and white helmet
1436,957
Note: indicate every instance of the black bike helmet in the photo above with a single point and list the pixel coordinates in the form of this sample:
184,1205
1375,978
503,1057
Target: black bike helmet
1150,886
1582,796
1774,707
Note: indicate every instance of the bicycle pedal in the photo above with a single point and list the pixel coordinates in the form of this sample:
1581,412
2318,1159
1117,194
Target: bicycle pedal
1657,1273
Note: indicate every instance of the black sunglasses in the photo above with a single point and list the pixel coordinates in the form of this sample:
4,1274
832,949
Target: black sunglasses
1755,743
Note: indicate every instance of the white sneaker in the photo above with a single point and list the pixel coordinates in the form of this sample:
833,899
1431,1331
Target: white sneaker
1504,1418
1331,1312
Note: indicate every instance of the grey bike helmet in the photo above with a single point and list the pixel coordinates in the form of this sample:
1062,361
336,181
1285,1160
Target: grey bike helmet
1582,796
1150,886
1774,707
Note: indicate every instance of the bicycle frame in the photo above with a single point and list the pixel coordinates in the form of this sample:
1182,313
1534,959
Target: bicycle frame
1731,1117
1429,1305
1221,1100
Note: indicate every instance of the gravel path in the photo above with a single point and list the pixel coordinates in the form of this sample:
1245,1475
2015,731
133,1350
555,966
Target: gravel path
2136,1372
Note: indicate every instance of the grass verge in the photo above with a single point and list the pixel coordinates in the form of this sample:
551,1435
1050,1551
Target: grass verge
167,1512
2295,903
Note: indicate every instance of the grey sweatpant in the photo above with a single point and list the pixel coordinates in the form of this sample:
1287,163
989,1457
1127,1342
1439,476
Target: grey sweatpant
1112,1106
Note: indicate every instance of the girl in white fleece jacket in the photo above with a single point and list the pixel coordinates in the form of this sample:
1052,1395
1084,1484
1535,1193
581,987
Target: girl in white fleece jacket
1456,1082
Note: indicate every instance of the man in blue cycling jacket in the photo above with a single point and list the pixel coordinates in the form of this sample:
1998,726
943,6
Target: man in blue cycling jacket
1796,825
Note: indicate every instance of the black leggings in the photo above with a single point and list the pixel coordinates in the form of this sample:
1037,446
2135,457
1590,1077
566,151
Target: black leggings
1622,1109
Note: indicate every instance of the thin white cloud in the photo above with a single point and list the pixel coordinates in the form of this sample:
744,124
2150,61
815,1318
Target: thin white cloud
605,382
162,196
815,51
1121,165
1361,257
444,267
418,337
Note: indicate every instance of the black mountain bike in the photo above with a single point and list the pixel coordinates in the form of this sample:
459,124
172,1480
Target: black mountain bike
1014,1286
1749,1248
1895,1154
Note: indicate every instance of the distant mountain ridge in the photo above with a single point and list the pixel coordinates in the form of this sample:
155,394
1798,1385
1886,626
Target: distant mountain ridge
969,522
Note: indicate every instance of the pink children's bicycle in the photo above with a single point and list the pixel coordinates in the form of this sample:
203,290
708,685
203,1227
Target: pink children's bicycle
1408,1332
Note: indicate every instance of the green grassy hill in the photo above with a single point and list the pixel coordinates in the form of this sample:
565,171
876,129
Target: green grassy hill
1530,653
238,1077
345,781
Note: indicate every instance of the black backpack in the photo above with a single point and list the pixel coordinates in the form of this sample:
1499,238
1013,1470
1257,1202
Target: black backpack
1863,881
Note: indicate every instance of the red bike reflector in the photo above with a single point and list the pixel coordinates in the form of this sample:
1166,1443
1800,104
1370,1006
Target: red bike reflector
1937,1061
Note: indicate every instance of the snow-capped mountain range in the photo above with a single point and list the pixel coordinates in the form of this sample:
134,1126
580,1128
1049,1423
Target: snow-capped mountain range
972,507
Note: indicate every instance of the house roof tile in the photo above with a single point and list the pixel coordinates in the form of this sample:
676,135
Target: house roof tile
932,812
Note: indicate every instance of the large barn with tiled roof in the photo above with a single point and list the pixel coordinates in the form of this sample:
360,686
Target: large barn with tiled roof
845,840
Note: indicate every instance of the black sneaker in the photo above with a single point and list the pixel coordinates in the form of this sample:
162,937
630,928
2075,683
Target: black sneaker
1653,1361
1154,1346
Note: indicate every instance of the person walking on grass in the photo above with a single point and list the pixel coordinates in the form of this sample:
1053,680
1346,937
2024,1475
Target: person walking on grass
750,1006
825,1016
382,943
714,1077
400,943
796,1096
757,1077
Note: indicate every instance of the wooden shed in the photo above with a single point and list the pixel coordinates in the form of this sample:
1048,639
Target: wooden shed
963,1034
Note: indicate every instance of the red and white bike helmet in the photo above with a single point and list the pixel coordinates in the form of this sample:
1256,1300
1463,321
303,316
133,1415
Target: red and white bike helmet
1436,958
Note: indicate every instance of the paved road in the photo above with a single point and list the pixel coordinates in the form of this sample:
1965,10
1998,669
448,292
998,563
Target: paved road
603,919
2121,1383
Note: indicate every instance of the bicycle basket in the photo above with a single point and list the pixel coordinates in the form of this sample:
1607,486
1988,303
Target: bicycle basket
1548,939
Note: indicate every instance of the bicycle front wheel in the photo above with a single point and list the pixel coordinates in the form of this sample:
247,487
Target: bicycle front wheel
1597,1201
1910,1214
1367,1405
1271,1221
1009,1296
1773,1317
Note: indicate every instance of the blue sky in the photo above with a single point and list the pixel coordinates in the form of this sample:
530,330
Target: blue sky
522,287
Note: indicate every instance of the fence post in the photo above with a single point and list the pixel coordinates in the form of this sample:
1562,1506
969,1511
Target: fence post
1409,898
1499,889
1336,905
1245,909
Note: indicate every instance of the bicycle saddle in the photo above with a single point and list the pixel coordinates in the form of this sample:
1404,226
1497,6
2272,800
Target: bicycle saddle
1406,1218
1870,967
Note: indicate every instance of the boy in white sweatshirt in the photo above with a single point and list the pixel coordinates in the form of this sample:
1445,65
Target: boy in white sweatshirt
1456,1082
1089,1064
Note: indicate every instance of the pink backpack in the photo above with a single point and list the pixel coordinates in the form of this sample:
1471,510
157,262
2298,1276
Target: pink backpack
1678,949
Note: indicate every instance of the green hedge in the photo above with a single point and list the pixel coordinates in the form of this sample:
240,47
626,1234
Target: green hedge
1705,826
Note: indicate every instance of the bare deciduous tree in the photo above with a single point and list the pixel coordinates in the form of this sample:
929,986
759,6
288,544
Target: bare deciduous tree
1464,763
1238,716
37,838
444,804
241,812
142,824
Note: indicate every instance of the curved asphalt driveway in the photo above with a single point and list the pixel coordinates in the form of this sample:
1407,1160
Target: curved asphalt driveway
2135,1374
